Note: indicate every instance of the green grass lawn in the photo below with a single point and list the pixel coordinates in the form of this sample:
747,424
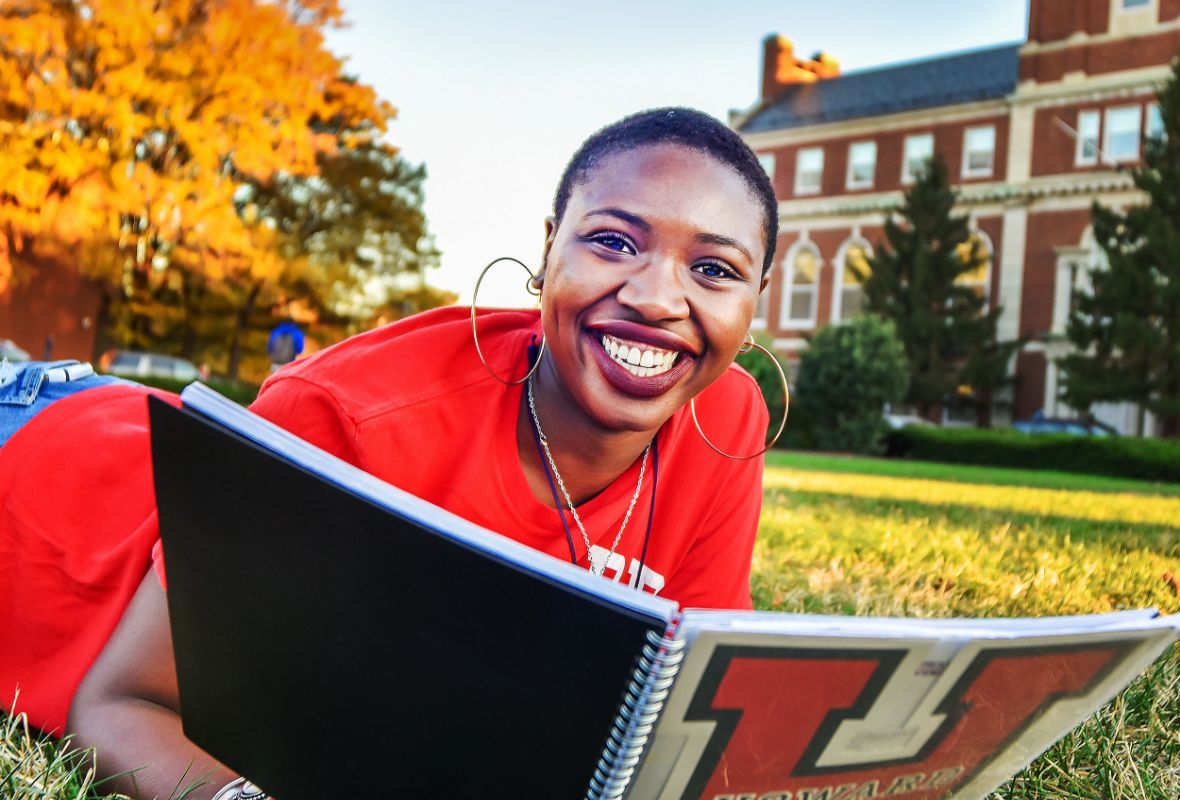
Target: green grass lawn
846,535
871,537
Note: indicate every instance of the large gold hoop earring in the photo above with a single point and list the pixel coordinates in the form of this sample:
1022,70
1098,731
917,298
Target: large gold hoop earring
746,347
533,287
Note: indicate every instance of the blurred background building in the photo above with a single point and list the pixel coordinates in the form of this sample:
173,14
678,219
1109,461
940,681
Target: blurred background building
1033,133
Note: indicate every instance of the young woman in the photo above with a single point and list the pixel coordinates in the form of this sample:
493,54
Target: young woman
570,429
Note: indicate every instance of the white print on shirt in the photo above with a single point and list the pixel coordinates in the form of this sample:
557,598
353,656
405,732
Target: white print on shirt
652,580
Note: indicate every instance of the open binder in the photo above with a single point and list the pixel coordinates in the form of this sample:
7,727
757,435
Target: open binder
336,636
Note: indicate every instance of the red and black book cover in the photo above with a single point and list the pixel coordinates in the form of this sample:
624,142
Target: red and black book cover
778,717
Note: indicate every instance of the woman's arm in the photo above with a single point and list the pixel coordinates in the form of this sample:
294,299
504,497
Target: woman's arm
127,708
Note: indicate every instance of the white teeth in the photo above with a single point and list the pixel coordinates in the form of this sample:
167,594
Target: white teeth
642,362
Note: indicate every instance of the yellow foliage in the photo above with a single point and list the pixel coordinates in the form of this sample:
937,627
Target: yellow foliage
120,120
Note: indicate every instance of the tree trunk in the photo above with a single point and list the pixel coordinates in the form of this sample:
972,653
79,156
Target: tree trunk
241,321
1140,419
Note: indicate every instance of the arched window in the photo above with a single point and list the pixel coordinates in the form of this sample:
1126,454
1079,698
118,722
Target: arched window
800,286
978,278
762,311
848,299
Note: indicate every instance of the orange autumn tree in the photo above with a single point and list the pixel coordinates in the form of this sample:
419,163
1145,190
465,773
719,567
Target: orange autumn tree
127,127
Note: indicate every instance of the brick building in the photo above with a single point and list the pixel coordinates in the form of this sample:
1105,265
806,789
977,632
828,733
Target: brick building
1031,132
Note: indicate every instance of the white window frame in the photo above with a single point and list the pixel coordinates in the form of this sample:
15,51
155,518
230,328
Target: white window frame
1080,157
786,322
849,181
838,278
980,172
800,188
1138,18
908,177
1109,154
761,318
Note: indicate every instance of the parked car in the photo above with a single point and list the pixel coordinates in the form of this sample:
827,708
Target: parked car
10,350
1078,427
136,364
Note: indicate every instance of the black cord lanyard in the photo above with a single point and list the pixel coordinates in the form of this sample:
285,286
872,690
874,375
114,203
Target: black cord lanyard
655,477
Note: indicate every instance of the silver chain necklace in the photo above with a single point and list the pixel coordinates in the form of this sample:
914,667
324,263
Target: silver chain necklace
566,494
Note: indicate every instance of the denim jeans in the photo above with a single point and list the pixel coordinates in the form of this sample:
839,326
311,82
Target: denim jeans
28,387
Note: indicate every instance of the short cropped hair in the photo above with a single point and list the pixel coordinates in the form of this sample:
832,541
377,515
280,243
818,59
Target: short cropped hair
686,127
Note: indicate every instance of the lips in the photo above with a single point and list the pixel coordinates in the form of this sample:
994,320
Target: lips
639,361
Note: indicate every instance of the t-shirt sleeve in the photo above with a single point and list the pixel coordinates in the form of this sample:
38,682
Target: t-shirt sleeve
311,413
715,572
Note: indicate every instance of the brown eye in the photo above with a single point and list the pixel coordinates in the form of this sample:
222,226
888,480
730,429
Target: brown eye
614,241
715,271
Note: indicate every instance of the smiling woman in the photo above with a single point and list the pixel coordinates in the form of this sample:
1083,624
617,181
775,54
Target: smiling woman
662,228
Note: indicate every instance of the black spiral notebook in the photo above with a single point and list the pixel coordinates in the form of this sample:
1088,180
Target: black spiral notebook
335,636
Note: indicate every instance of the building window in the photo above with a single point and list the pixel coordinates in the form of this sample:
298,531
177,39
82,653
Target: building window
767,162
979,151
809,170
1087,138
1121,135
848,301
801,287
978,278
1155,122
1130,5
919,149
762,310
862,164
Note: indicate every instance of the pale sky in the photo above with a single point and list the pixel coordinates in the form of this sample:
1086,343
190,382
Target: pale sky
495,97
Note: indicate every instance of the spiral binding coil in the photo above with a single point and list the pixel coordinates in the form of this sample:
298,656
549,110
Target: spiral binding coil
641,707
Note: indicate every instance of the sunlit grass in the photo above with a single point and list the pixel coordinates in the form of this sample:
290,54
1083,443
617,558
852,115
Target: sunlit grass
1123,507
846,543
36,768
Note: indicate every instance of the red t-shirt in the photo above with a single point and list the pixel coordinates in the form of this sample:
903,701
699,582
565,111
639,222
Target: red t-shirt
412,404
77,524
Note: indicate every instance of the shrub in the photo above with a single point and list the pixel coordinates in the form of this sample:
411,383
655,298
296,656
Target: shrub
759,366
846,377
1121,456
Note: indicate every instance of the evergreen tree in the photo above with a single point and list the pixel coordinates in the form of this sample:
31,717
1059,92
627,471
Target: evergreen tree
915,281
1126,328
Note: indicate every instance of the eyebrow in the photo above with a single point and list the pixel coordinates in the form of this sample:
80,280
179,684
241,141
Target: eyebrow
645,226
725,241
626,216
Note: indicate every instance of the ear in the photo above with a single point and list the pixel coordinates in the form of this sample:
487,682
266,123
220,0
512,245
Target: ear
765,282
550,233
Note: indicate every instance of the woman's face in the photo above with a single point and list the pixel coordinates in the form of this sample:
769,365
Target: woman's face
650,282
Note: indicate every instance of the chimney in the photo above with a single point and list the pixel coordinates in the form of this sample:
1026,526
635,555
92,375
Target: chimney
780,67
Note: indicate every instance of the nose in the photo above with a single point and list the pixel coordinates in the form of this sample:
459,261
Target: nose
656,290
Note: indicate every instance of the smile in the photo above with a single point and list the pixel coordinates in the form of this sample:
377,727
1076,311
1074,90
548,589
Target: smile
643,361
